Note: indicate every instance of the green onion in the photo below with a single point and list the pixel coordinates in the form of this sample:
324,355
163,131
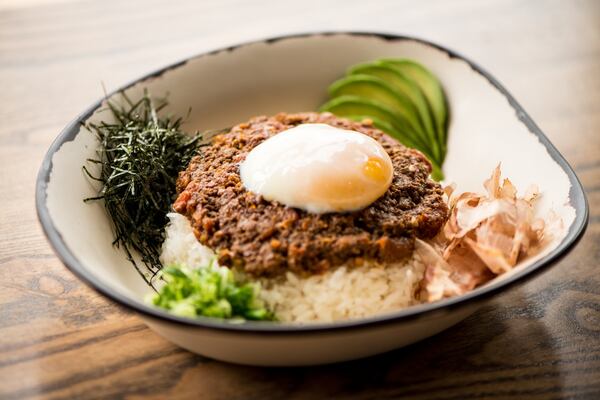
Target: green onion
210,291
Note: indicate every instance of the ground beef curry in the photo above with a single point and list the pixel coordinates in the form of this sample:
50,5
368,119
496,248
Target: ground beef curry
266,238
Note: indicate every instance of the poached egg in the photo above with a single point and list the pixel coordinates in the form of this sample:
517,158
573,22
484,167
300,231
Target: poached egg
318,168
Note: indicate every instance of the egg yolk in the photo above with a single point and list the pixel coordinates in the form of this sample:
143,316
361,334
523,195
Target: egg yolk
376,169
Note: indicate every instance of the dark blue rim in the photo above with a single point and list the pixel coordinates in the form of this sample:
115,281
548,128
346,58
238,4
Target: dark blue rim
577,198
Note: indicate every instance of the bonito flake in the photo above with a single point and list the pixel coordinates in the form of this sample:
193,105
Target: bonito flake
486,235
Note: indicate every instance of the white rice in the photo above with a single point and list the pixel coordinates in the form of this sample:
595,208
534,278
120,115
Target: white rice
342,293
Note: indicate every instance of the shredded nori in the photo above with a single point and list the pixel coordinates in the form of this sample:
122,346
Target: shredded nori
140,156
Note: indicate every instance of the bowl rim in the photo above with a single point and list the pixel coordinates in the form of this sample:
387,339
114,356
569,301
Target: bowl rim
577,200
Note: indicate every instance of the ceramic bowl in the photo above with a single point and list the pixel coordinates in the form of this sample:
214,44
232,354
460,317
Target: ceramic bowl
291,74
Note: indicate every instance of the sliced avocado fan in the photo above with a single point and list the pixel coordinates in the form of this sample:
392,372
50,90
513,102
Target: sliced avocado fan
432,89
379,90
400,97
402,84
351,106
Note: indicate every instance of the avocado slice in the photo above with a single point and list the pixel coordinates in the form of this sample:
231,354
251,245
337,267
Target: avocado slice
402,84
431,87
348,105
384,126
436,170
377,89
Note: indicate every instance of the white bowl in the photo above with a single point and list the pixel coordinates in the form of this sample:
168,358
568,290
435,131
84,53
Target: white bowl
291,74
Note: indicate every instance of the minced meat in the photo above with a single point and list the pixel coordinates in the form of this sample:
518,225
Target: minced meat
267,238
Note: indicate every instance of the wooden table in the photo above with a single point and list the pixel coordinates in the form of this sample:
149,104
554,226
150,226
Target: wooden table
59,339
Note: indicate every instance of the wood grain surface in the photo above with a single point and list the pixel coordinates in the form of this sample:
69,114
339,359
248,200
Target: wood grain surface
61,340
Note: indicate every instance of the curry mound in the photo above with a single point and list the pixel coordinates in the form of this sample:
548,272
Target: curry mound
267,238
